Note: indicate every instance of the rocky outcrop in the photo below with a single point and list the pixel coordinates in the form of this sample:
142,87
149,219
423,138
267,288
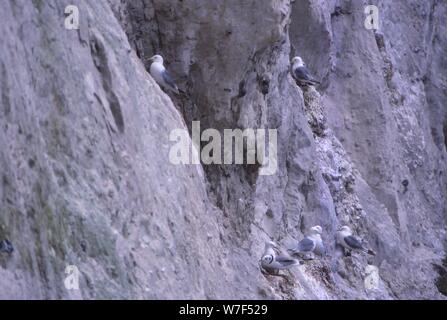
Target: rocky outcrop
86,177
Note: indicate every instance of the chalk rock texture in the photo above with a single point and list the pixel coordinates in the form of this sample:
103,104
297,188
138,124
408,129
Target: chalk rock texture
85,136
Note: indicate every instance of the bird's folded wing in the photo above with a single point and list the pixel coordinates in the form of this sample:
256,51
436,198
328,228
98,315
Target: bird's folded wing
302,74
285,261
168,80
353,242
305,245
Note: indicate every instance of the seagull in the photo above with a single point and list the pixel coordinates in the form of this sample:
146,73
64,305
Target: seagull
301,74
320,248
160,75
350,242
271,262
311,244
6,246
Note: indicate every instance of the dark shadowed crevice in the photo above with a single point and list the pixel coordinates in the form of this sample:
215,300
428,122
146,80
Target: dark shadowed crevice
441,282
445,133
306,16
229,186
6,103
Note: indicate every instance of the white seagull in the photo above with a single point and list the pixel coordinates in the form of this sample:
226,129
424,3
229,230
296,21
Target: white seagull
160,75
311,244
301,74
350,242
271,262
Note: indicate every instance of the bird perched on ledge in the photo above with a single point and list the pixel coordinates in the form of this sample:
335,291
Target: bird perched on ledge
310,245
301,74
160,75
271,262
350,242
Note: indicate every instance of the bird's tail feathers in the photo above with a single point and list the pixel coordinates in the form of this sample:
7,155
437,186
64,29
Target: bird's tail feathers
312,82
291,263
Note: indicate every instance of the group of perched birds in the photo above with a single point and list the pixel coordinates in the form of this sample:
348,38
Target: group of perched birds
275,258
158,71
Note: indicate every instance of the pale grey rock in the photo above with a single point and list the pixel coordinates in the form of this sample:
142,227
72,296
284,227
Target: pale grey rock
86,181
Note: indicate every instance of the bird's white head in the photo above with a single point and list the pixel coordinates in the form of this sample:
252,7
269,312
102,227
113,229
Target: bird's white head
345,229
157,58
267,259
298,62
316,229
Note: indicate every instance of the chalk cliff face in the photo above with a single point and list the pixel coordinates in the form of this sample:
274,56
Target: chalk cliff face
86,179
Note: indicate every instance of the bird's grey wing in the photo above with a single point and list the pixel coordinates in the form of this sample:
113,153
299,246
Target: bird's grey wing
305,245
353,242
302,73
168,80
285,261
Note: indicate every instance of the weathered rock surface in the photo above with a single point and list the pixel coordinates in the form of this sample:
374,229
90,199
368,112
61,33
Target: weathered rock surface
85,173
